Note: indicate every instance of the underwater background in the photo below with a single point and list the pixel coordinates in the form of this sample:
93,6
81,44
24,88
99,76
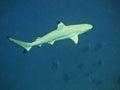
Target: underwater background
93,64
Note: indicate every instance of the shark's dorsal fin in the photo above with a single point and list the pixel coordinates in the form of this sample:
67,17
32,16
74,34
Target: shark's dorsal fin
74,39
60,25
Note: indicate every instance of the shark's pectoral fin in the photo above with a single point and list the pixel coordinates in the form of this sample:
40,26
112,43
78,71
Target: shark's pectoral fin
74,39
51,43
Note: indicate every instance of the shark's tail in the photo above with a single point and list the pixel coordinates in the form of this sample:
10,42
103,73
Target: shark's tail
26,45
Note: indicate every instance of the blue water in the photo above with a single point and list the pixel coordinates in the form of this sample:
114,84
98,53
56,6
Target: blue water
93,64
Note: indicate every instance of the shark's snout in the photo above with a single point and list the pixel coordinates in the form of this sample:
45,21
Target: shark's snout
90,26
87,27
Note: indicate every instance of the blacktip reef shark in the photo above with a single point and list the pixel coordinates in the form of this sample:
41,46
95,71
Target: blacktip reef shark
62,32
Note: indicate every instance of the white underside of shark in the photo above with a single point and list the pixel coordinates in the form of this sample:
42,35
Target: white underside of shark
62,32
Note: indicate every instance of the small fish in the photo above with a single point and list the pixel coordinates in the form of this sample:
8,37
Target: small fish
86,48
80,66
98,62
118,80
99,46
66,78
55,65
92,79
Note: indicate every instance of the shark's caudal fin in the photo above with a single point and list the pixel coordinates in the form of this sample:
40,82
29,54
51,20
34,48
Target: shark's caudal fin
26,45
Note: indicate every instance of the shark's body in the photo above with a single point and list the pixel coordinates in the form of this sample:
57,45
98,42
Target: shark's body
62,32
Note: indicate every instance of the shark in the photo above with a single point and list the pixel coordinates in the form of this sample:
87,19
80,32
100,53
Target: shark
60,33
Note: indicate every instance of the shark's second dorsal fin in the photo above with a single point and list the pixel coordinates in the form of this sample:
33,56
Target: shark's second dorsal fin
37,38
60,25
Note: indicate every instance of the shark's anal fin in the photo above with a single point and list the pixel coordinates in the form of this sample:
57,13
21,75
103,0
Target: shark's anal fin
74,39
39,46
51,43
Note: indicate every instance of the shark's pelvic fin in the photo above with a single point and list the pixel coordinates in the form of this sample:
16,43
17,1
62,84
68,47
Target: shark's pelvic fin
39,45
26,45
74,39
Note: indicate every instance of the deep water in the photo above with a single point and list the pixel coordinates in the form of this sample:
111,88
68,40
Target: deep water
92,64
